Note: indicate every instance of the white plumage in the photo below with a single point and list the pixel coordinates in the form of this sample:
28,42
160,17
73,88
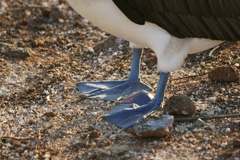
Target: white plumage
170,51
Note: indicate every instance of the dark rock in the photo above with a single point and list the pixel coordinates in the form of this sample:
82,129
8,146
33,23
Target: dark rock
224,74
180,105
154,129
15,54
78,145
50,114
232,151
46,12
94,134
53,14
236,144
10,52
149,58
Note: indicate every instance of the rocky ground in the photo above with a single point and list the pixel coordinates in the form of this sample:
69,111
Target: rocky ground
46,48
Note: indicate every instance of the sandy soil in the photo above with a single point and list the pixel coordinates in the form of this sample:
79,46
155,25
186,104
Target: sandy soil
46,48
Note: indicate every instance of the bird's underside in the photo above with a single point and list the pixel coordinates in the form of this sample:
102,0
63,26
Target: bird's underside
210,19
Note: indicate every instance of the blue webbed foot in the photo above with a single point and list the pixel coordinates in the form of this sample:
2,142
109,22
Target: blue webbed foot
112,90
127,115
116,90
139,98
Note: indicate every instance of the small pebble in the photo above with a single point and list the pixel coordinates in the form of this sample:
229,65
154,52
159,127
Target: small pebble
228,130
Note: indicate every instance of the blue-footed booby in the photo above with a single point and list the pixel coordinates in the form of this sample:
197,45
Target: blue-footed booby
171,28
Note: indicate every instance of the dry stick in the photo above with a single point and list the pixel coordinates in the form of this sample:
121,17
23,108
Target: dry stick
17,138
207,117
191,76
29,7
5,44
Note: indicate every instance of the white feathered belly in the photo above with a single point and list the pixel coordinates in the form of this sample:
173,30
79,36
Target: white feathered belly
106,15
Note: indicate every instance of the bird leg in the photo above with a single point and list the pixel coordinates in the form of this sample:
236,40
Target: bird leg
127,115
118,89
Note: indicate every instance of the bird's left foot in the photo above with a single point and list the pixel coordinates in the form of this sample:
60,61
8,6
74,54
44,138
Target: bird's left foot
127,115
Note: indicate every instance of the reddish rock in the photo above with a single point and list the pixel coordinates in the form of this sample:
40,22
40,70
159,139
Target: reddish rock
224,74
180,105
154,128
232,152
150,58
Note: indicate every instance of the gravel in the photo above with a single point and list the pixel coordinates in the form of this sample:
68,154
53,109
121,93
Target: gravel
46,48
